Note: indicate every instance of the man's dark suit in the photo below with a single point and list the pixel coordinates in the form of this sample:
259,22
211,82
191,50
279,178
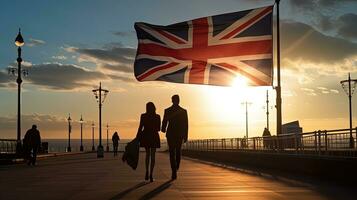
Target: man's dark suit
176,121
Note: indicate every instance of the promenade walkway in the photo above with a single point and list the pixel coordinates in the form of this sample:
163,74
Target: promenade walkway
84,176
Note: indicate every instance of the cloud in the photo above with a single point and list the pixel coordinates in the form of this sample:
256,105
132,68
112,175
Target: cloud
115,54
59,57
334,91
4,78
58,76
35,42
322,13
302,42
309,91
347,26
62,77
45,123
315,4
321,88
123,33
114,60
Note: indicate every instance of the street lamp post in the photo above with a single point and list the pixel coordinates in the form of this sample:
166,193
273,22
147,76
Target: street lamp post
93,148
69,133
100,94
349,87
107,137
246,103
19,42
267,109
81,122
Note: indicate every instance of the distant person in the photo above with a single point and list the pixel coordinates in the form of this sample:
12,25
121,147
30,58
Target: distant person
148,134
266,138
175,125
115,140
32,143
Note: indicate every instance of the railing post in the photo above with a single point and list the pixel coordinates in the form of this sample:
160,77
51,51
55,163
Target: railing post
222,144
302,146
253,143
237,143
319,134
356,137
296,143
325,133
315,142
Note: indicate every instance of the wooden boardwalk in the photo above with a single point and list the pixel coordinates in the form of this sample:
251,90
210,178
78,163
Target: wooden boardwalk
84,176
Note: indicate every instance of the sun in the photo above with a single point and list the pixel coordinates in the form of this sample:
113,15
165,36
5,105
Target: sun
240,82
225,103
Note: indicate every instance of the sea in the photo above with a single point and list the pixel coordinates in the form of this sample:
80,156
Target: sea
60,145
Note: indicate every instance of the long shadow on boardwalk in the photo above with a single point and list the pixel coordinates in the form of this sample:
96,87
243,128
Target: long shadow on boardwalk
127,191
157,190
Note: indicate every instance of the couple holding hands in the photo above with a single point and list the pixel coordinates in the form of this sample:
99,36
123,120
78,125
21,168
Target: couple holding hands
174,124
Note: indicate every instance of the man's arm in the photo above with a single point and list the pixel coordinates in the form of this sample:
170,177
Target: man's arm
164,122
185,128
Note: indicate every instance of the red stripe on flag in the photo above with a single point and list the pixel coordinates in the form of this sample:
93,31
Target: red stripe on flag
153,70
197,72
170,37
199,42
209,52
244,73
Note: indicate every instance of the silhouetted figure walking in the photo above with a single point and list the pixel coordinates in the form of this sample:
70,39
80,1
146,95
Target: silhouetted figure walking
266,139
32,142
115,140
175,124
148,134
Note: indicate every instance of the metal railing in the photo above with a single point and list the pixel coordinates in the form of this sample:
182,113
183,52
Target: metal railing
7,146
321,143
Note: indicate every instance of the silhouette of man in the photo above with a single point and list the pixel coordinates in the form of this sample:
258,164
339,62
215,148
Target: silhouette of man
266,139
32,141
175,125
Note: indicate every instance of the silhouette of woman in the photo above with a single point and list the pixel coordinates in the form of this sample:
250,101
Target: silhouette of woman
148,134
115,139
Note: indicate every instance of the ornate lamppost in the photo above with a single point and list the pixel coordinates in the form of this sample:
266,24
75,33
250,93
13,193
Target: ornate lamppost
19,42
93,126
100,95
81,122
349,87
69,132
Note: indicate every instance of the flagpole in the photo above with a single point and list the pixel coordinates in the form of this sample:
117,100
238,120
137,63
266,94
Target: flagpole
278,87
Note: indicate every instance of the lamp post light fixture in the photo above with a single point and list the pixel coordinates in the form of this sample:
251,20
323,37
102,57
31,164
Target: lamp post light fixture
100,95
69,132
19,42
93,126
81,122
349,87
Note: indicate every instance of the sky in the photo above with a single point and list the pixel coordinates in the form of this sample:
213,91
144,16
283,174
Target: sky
72,45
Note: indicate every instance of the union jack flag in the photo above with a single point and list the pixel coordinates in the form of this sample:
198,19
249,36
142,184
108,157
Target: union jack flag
210,50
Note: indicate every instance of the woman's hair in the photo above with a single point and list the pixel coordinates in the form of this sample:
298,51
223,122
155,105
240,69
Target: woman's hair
150,108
